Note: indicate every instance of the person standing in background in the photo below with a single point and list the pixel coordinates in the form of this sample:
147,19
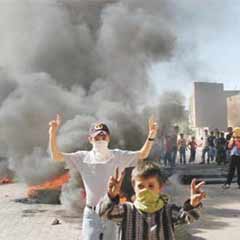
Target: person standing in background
228,138
234,145
168,151
221,149
212,147
174,138
182,147
193,148
205,149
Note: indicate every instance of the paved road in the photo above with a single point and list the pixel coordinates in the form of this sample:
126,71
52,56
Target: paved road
220,216
33,221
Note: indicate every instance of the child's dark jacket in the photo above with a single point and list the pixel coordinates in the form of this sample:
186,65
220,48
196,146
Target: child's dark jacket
136,225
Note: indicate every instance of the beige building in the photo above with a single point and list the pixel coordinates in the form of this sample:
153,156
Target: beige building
210,105
233,107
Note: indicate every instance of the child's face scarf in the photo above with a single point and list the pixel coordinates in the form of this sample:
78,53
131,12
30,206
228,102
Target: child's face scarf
149,201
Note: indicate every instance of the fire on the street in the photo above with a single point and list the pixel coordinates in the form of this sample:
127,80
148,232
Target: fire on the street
6,180
53,184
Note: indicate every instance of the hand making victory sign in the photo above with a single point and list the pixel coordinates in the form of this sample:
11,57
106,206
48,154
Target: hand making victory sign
152,127
114,184
197,195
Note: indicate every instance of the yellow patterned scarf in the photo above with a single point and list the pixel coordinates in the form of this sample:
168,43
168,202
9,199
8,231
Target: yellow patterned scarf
149,201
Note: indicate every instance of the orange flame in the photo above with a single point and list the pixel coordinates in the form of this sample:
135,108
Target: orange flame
56,183
5,180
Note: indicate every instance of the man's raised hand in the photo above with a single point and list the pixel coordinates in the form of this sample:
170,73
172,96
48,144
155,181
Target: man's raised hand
55,124
153,127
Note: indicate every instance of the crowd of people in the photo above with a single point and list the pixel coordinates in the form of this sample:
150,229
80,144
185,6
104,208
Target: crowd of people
214,147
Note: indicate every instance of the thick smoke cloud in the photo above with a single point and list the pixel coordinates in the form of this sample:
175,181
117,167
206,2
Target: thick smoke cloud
87,60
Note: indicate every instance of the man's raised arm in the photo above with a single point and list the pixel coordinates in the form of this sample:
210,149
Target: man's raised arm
146,149
53,147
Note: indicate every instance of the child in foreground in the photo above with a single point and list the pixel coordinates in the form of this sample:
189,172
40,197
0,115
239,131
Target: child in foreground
150,217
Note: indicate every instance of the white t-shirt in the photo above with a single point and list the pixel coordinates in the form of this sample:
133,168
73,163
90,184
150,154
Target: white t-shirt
205,141
95,175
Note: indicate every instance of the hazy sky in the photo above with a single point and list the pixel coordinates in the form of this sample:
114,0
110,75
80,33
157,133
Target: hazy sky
208,38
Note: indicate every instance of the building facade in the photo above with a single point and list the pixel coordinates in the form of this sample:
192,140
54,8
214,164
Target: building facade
233,107
210,106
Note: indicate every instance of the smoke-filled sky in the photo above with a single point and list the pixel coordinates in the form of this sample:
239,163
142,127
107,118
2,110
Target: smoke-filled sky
90,60
85,59
208,46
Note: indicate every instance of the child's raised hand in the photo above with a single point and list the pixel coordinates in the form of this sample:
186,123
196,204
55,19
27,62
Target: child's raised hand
114,184
197,195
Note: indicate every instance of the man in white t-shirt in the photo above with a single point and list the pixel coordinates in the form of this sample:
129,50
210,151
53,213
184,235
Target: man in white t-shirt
95,167
205,149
